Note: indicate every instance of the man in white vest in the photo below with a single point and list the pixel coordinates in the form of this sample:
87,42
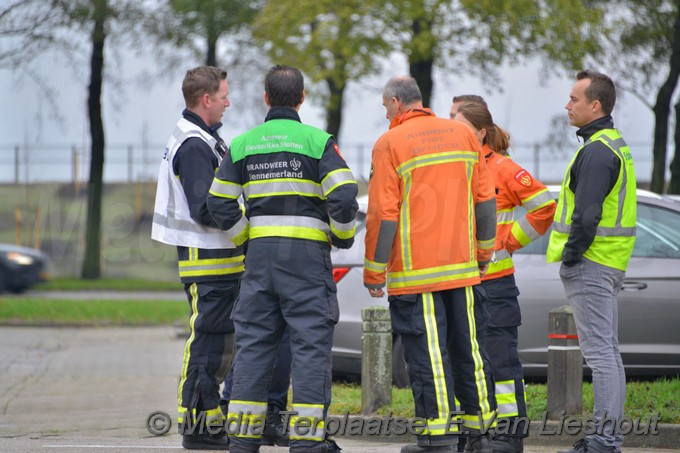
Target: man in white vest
210,265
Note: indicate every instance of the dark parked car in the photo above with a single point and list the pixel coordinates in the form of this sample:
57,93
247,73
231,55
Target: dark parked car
21,268
649,302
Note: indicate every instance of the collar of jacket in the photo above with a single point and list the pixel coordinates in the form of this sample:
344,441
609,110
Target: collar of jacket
487,152
282,113
407,115
606,122
198,121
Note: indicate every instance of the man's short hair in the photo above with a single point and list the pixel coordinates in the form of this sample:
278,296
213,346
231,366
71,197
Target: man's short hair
284,86
601,89
474,98
404,88
199,81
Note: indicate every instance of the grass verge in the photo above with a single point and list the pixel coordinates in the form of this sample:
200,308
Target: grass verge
644,399
107,284
91,313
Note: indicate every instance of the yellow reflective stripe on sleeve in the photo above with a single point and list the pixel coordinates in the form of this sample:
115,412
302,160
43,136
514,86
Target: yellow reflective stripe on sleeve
504,216
343,230
486,244
282,186
193,291
373,266
335,179
524,232
239,232
537,200
436,360
472,234
225,189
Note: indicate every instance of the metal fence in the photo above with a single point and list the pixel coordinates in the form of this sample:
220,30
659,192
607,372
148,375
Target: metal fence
38,163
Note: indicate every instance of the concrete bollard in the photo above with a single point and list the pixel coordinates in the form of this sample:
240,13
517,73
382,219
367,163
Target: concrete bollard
376,359
565,365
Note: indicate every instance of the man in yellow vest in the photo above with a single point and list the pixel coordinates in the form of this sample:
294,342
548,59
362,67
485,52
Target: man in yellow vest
593,236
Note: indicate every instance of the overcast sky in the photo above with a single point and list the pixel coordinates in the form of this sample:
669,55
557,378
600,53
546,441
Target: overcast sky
524,108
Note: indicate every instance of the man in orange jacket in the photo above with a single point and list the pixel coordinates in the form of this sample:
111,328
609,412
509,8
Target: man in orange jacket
430,232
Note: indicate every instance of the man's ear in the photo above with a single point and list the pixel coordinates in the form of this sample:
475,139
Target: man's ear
596,106
266,99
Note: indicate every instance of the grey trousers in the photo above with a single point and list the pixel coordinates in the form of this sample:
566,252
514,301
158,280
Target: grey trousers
592,289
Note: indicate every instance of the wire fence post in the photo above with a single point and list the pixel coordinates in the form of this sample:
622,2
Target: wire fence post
16,164
129,164
536,161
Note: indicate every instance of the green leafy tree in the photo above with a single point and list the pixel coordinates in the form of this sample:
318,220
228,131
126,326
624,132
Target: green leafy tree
200,24
474,37
332,42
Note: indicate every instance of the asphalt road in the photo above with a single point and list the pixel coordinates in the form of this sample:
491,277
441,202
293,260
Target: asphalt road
93,389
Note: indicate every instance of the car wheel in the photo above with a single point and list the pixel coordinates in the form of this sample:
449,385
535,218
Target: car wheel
400,377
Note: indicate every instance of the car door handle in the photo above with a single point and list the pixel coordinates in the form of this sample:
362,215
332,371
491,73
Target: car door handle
633,286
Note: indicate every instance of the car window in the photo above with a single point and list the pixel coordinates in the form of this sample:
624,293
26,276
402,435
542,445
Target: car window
657,232
656,237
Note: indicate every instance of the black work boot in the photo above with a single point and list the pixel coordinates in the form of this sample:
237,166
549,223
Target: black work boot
203,440
274,432
504,443
478,443
412,448
327,446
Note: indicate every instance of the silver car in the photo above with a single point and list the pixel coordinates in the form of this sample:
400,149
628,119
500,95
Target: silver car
649,302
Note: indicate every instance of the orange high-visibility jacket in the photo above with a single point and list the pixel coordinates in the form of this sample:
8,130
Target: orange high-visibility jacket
431,207
515,187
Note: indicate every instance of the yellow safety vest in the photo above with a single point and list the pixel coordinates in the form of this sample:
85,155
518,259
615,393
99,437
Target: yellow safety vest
615,234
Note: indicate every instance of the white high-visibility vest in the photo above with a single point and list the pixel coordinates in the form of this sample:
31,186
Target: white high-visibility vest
172,223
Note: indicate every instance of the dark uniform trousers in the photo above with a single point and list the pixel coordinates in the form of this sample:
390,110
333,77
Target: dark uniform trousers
500,341
438,331
209,349
286,282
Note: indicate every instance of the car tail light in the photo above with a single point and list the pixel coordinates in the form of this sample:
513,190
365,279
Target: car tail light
339,272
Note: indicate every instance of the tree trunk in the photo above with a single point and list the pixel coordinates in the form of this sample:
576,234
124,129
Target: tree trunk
92,262
334,107
422,72
662,112
211,56
674,186
421,63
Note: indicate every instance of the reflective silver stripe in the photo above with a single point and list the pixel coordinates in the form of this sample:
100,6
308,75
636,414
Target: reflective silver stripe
288,220
601,231
336,178
507,410
502,255
439,158
314,415
505,216
291,186
254,407
213,267
538,200
237,229
225,189
343,230
616,146
432,275
508,387
527,229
